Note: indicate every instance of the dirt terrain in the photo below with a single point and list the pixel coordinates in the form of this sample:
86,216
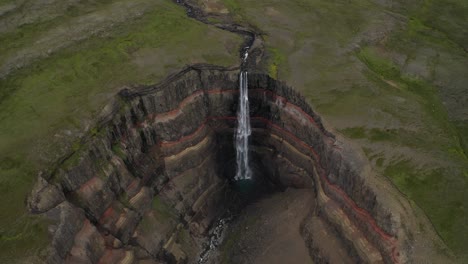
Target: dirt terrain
268,231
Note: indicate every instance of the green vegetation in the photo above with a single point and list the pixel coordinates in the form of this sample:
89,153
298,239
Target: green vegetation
354,132
386,77
165,212
164,215
117,149
429,189
228,246
232,238
45,105
214,20
183,236
233,6
427,94
276,60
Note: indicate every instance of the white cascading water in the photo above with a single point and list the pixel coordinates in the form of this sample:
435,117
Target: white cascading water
243,130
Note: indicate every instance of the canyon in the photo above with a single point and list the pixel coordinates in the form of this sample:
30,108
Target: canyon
147,183
110,153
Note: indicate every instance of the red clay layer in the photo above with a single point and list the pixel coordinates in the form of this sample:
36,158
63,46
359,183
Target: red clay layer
364,215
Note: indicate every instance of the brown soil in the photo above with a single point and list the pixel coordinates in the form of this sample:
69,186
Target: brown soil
268,231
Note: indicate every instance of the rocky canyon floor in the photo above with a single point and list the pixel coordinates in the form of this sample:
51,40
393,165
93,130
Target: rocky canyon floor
269,231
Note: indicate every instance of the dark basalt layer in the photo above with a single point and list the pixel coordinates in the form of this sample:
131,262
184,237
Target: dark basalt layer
152,176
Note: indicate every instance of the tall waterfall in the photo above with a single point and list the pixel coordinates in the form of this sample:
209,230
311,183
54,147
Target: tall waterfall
243,131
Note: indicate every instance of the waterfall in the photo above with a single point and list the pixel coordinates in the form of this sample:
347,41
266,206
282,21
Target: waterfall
243,131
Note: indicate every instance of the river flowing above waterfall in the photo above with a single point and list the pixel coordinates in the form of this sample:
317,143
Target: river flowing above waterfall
243,131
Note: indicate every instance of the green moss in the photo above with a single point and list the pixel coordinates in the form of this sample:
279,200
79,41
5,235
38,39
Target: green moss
228,246
383,135
234,236
354,132
16,243
440,22
146,225
428,189
101,132
276,60
164,210
377,64
124,199
374,134
424,92
117,149
462,128
214,20
379,162
73,160
183,237
233,6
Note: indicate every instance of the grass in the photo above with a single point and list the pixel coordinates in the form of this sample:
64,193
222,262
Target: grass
447,18
392,136
462,129
164,215
45,106
276,61
422,92
27,33
117,149
439,192
234,236
233,6
362,88
214,20
441,197
163,209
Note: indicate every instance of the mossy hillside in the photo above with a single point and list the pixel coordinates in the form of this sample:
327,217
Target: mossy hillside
446,18
418,90
437,189
275,59
443,198
5,2
25,34
50,102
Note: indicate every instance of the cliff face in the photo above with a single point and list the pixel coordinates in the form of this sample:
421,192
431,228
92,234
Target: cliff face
153,175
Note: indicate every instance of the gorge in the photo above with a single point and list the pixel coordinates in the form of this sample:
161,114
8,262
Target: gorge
150,179
219,131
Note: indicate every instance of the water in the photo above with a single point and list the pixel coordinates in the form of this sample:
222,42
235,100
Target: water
215,238
243,130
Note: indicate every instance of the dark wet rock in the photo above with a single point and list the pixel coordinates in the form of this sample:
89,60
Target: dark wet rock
44,196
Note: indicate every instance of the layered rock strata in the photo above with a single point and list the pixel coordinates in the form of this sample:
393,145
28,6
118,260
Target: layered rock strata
154,174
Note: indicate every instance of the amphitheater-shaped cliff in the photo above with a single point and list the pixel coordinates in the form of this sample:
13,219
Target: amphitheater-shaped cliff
148,181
